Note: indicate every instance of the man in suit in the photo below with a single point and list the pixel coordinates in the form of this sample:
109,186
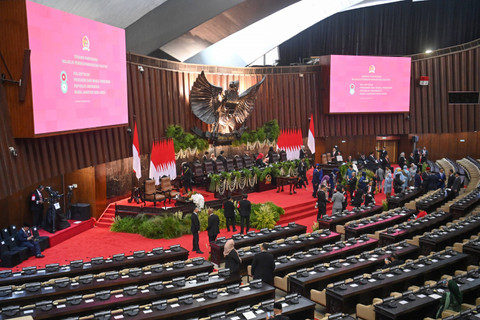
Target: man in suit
36,206
315,180
383,152
394,261
451,179
245,209
322,201
222,158
424,155
26,239
277,312
195,227
263,265
457,184
213,226
229,213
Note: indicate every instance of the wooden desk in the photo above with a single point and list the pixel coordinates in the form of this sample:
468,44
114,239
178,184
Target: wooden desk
141,297
304,309
97,284
434,201
283,181
292,264
435,241
462,207
426,301
472,248
289,248
258,237
398,201
319,280
371,225
90,267
409,229
331,222
345,299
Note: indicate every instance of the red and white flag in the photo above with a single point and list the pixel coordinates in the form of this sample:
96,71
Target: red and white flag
162,160
311,136
137,165
290,141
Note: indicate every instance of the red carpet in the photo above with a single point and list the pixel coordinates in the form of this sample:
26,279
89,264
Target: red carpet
95,242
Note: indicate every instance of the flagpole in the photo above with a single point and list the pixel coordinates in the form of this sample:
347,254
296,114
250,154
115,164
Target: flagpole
135,191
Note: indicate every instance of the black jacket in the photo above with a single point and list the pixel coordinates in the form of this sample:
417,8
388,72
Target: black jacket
213,225
229,209
263,265
232,262
322,200
35,198
245,208
195,226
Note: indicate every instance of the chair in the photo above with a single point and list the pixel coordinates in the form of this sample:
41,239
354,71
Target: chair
13,246
8,258
367,312
208,167
5,233
219,167
276,157
247,161
229,164
324,159
198,175
283,155
238,163
167,189
150,193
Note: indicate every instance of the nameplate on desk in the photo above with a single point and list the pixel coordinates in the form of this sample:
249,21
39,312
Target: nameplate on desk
421,265
19,292
48,288
470,279
119,296
249,315
200,299
74,284
435,296
308,255
100,280
330,268
175,305
372,280
223,294
89,301
259,311
167,251
145,291
421,296
403,302
60,306
293,259
169,269
149,254
28,311
406,270
353,285
120,316
345,264
41,271
125,276
235,318
434,260
148,311
17,274
389,275
312,272
277,263
189,265
246,289
168,286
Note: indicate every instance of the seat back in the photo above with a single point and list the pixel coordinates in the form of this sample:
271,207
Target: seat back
5,233
150,187
197,169
208,167
35,231
329,157
13,230
324,159
165,184
229,163
238,162
276,157
11,243
219,166
283,155
247,161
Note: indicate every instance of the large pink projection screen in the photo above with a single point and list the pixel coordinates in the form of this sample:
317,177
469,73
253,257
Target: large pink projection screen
361,84
78,71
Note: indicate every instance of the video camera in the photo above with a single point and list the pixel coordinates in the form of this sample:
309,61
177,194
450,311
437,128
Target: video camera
52,194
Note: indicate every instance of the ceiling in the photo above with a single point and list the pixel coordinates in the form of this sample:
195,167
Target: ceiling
218,32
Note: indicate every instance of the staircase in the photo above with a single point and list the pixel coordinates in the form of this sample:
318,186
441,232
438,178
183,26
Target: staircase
107,217
297,212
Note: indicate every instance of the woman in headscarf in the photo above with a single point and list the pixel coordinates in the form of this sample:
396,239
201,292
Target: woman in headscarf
232,260
387,187
451,298
406,175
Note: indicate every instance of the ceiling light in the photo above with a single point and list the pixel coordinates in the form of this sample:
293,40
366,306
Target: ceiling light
429,51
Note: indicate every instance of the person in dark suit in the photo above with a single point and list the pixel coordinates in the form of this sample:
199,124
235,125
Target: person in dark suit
229,213
245,209
358,198
302,153
383,152
187,176
213,226
424,155
232,260
205,157
315,180
263,265
393,261
222,158
277,312
270,154
322,201
457,184
418,179
451,179
411,159
36,206
302,173
195,227
26,239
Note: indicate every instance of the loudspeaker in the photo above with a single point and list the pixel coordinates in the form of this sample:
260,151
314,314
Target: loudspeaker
81,211
415,139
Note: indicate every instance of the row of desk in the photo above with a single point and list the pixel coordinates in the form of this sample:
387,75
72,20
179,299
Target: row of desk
95,265
252,238
377,222
424,302
434,201
463,206
331,222
399,200
344,297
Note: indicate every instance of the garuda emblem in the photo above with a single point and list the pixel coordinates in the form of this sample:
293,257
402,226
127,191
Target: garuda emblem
225,110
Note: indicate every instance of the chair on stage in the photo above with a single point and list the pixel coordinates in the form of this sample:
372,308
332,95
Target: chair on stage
167,189
229,163
283,156
150,193
238,163
198,175
324,158
276,157
208,167
247,161
219,168
329,157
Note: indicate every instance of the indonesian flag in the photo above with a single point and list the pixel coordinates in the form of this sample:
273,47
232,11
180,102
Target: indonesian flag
311,136
137,166
162,160
290,141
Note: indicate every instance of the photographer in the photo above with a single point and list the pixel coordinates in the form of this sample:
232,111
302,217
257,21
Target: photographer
36,206
26,239
55,218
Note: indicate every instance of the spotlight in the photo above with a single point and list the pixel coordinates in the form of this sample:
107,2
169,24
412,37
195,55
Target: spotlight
140,68
429,51
13,151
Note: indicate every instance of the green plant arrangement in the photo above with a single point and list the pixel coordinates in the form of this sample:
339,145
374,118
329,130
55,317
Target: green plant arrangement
183,141
268,132
385,205
264,215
